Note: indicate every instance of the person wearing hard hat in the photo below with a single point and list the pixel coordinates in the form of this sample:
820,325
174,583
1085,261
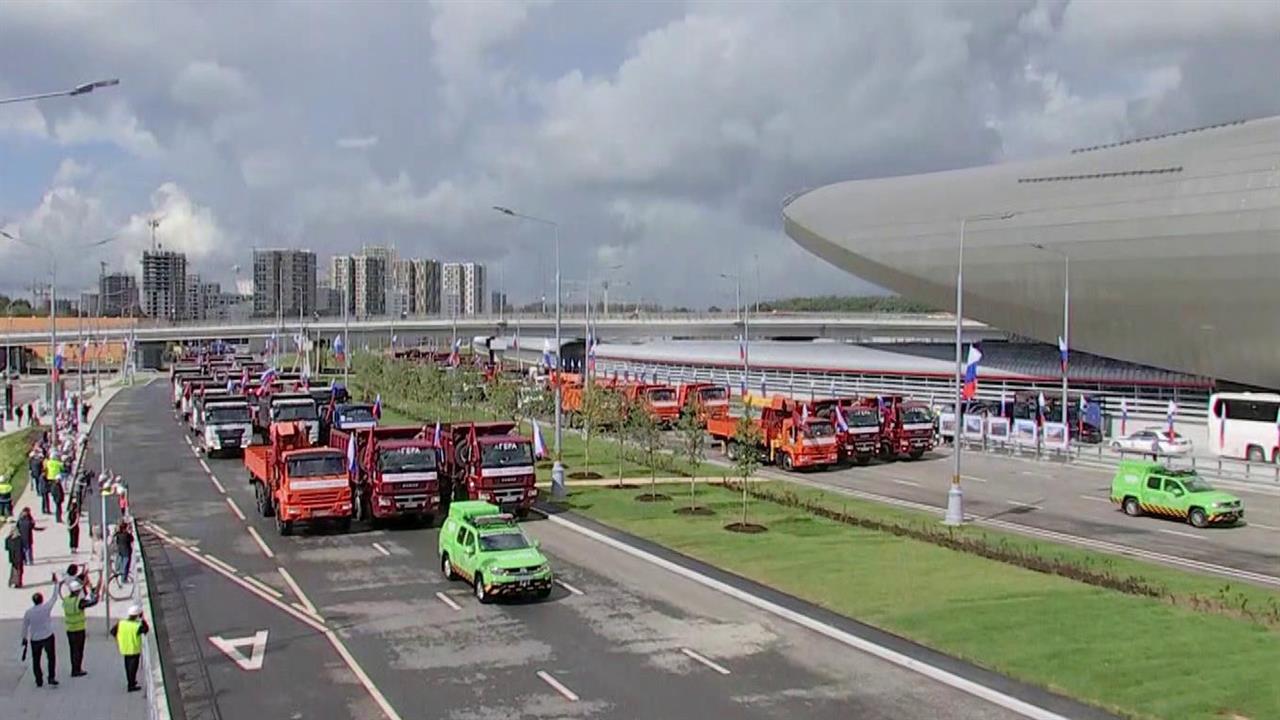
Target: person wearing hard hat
128,634
78,598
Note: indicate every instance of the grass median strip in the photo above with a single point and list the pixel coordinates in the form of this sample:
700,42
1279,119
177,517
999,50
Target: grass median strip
13,458
1138,655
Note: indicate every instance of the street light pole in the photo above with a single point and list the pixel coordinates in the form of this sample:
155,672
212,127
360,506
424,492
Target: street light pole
557,468
82,89
955,496
744,348
1066,330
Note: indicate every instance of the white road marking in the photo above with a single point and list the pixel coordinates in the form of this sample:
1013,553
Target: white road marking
1179,533
973,478
264,587
1032,473
910,483
293,585
257,644
706,661
224,565
938,674
360,674
1019,503
448,601
234,508
379,548
558,686
1095,498
262,545
218,485
205,466
569,587
1260,526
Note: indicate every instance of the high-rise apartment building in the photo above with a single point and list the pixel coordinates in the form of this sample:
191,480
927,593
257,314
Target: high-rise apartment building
370,284
193,305
400,288
284,281
118,294
342,277
164,284
426,291
462,289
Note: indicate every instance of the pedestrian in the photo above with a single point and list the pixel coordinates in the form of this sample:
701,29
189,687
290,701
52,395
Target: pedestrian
84,412
36,466
73,524
37,634
80,596
128,634
17,558
58,495
27,528
52,471
6,497
17,415
31,415
124,550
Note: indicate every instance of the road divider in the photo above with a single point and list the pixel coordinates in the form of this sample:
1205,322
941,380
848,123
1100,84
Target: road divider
558,686
705,661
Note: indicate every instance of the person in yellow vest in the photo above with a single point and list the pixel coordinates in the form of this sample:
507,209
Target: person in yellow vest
128,634
53,477
6,497
78,599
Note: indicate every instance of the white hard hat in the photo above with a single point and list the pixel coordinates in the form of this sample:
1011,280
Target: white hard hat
74,586
135,610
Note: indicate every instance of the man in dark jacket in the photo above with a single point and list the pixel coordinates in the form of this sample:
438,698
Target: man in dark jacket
26,530
17,558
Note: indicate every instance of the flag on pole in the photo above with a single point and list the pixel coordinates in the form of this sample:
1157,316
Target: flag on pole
455,356
58,361
539,447
970,387
339,349
764,392
351,453
804,413
377,407
742,349
1169,413
1062,353
435,437
833,387
1040,408
841,425
1002,402
1124,415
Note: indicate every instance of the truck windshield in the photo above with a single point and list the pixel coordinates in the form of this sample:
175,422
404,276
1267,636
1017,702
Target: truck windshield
504,541
914,415
715,394
317,465
662,395
356,414
506,454
408,459
226,415
294,411
820,429
865,417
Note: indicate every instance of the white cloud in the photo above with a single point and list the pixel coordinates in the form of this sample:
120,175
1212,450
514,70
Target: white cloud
357,143
117,126
208,86
70,171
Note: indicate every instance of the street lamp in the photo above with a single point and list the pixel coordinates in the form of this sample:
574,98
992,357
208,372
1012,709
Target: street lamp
53,321
1066,329
82,89
746,325
557,469
955,497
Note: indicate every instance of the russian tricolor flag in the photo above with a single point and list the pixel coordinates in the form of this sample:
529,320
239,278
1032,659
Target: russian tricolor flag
841,425
1168,418
1062,353
539,447
339,349
970,387
1124,415
58,360
377,407
351,453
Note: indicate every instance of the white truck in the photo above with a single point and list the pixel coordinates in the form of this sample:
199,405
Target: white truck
297,407
224,424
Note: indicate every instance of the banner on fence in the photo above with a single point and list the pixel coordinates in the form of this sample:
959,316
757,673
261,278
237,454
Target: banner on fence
998,429
1025,432
1055,435
947,424
973,427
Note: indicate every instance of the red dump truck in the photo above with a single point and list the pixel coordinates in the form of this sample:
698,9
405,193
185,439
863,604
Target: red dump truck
396,473
906,427
859,437
489,461
294,481
785,438
711,400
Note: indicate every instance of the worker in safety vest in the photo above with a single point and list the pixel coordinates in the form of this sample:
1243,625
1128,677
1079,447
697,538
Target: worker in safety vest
128,634
78,598
6,497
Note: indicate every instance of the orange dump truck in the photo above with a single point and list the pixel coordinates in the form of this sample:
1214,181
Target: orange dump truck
294,481
711,400
785,439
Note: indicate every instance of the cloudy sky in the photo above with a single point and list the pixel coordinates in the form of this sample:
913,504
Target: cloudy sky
662,135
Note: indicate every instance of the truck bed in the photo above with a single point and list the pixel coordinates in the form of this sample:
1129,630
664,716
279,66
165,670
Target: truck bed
722,428
257,458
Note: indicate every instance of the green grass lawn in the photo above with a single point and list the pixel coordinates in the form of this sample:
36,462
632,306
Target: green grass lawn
1143,657
13,458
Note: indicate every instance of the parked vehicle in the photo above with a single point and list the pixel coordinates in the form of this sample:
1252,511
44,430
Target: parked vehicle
906,427
784,438
859,440
489,461
294,481
224,423
1143,487
1153,441
279,406
1243,426
710,399
396,473
480,544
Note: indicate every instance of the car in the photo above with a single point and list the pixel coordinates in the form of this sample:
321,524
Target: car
486,547
1148,488
1151,440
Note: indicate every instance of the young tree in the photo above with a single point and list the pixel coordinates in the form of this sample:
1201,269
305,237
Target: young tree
648,438
747,437
693,445
594,414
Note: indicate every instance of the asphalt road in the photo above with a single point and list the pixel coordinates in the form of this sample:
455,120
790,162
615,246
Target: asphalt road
363,625
1058,501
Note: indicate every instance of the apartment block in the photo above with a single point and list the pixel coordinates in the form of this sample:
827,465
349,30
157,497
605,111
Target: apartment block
284,281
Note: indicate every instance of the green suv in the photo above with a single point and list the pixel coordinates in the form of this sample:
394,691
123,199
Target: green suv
480,543
1144,487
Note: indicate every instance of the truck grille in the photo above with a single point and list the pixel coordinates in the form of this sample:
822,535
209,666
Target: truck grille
319,498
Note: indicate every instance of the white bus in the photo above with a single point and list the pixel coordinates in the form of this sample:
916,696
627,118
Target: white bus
1245,426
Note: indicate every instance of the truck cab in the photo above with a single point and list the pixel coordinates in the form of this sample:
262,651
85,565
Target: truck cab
296,482
225,423
396,474
489,461
711,400
661,401
1148,488
793,443
906,427
354,416
860,441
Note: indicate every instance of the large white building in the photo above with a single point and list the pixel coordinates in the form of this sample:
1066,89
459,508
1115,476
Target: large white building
462,288
1172,243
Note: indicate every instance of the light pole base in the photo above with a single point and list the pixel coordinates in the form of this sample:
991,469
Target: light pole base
955,506
557,481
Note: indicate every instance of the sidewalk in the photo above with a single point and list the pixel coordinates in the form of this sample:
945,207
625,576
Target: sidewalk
101,693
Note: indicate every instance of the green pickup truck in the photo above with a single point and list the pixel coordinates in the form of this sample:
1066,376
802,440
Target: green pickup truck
1144,487
483,545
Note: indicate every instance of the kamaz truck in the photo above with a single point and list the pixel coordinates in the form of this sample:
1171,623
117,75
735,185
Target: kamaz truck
489,461
396,472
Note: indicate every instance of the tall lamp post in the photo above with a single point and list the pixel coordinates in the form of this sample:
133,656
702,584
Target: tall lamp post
1066,328
82,89
746,325
53,318
557,469
955,496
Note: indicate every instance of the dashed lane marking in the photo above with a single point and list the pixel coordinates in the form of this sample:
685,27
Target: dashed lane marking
706,661
448,601
262,545
569,587
1260,526
297,591
1179,533
909,483
264,587
214,479
558,686
1095,498
205,466
1019,503
379,548
973,478
224,565
234,508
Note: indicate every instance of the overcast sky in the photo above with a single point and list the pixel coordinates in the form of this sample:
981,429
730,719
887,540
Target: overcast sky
663,136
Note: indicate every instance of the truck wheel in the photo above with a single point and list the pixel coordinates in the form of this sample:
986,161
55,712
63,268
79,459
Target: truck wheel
1255,454
784,459
862,459
1131,507
446,568
916,454
478,587
344,525
732,451
522,513
1198,518
283,527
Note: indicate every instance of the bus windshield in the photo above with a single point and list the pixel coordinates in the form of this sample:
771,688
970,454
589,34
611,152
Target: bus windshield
506,454
408,459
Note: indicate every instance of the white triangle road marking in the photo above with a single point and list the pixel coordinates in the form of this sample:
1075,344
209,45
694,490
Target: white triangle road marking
231,648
